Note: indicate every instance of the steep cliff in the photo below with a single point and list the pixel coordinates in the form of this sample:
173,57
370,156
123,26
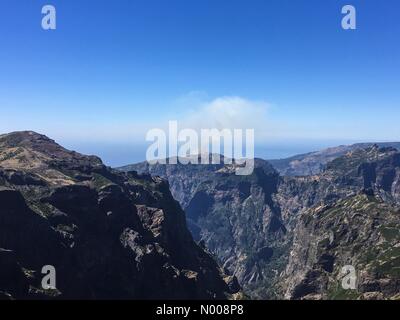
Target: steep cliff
237,218
109,235
355,224
361,231
255,225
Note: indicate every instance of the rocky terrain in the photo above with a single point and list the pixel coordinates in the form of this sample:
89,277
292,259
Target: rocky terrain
361,231
265,228
354,220
120,234
109,235
234,217
315,162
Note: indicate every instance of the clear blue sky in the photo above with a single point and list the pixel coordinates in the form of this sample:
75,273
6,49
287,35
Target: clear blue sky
116,63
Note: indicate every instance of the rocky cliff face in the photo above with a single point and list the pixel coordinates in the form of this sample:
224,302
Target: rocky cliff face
354,220
265,228
183,179
234,217
371,168
109,235
362,232
239,221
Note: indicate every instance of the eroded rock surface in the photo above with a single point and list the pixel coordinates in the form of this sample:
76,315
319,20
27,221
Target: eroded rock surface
109,235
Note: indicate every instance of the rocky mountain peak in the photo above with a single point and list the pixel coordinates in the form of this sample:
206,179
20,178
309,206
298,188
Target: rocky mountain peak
17,142
109,235
36,154
21,137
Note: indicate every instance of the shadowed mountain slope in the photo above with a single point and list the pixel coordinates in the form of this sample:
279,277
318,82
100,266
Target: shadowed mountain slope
254,224
109,235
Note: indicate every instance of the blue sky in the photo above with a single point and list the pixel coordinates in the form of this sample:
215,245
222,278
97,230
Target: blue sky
114,68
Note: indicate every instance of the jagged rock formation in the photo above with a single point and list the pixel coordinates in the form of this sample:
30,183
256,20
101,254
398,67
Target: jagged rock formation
183,179
109,235
255,224
353,220
235,217
361,231
373,167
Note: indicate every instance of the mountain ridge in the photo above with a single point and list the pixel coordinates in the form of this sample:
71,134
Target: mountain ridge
314,162
122,234
252,224
109,235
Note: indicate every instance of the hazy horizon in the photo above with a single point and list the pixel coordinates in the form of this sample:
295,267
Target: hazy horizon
117,155
109,73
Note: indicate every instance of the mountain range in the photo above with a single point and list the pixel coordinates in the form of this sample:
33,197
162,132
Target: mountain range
265,228
198,231
314,162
